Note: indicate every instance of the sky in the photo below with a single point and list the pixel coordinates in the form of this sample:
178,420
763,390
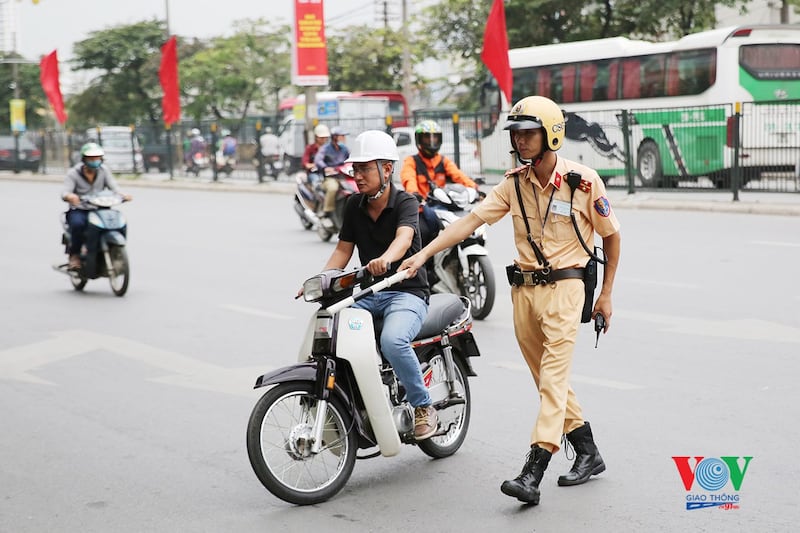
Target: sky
57,24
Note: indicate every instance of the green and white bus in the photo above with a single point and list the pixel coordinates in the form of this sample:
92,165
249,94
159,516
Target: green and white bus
680,98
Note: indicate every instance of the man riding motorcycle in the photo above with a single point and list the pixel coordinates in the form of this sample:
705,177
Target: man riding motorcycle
331,155
89,176
428,169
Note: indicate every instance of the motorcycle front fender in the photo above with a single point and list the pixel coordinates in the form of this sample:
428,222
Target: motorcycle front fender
298,372
112,238
474,249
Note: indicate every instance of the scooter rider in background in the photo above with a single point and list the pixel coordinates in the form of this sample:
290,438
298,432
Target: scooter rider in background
88,176
321,136
329,156
427,169
197,145
381,221
548,291
270,147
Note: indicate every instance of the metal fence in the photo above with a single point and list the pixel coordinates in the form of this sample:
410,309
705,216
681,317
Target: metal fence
755,146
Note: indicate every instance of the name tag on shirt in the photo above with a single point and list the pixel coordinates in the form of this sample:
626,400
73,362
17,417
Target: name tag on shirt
559,207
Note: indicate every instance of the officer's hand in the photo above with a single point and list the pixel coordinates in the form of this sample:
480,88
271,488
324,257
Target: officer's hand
413,263
603,306
127,198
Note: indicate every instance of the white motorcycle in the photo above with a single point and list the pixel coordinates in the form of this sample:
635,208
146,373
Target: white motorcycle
465,268
304,432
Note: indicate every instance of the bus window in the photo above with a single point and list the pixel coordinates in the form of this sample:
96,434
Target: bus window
524,82
691,72
543,82
771,61
587,82
568,83
653,76
631,79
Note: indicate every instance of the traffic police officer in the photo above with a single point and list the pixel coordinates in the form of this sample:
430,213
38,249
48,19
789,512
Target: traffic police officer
547,279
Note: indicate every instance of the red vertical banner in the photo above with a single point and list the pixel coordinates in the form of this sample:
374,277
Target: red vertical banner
309,52
168,75
48,76
495,48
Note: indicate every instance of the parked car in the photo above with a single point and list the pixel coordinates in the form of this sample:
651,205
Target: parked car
29,155
121,148
469,163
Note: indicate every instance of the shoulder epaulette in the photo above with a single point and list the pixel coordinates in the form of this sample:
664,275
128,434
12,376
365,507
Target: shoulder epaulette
585,186
515,171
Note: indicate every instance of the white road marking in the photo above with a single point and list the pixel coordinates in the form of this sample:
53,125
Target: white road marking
778,243
608,383
661,283
742,329
18,363
256,312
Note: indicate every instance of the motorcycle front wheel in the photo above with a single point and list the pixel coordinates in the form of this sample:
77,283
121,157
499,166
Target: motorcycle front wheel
119,270
454,420
279,446
78,281
478,286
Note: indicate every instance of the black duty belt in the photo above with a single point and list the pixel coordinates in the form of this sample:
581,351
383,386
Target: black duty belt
519,277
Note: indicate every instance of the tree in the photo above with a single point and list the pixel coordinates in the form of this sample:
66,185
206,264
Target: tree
28,88
235,75
127,90
363,58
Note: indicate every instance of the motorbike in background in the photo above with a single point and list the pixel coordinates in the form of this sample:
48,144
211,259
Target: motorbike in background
309,199
197,161
342,396
225,163
107,257
464,269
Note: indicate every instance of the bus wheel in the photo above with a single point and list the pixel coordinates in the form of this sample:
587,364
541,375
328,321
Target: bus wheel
648,164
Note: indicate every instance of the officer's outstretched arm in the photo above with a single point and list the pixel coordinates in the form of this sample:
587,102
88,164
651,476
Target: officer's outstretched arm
452,235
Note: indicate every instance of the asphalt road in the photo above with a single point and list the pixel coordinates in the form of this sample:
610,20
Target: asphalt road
129,414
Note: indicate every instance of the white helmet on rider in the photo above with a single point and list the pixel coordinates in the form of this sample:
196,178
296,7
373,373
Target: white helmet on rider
195,132
322,131
375,145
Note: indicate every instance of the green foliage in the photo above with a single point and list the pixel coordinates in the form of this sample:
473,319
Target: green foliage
234,74
127,59
362,58
29,89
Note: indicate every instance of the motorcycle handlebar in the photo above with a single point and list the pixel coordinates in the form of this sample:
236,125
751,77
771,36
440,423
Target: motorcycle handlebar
394,279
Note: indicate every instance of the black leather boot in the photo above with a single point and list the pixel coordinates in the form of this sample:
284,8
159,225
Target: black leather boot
587,458
525,487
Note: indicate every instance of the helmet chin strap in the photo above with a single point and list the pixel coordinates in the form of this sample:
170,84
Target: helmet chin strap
384,184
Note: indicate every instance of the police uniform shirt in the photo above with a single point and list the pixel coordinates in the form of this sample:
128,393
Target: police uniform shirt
373,237
555,237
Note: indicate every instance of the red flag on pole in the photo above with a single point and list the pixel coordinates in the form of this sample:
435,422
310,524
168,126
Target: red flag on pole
48,76
495,48
168,74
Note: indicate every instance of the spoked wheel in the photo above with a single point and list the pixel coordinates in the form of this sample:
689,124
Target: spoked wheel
279,435
119,271
454,419
478,286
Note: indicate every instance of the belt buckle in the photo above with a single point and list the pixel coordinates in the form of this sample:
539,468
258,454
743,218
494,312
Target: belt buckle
528,278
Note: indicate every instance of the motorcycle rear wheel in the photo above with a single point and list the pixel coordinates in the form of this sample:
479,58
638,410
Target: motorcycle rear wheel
119,274
277,446
479,286
454,419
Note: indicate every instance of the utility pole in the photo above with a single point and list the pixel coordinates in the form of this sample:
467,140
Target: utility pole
406,56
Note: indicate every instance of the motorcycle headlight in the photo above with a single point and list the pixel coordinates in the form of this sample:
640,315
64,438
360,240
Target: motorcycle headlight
312,289
95,220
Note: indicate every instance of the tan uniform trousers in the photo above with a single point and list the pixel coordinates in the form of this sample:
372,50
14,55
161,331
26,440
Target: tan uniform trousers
331,187
546,320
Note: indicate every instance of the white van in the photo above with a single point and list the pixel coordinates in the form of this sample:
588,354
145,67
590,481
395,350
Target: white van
122,149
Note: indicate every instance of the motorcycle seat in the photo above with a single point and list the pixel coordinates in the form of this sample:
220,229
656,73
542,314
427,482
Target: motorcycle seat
443,310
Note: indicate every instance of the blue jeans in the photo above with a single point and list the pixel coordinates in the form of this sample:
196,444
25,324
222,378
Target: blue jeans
403,314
